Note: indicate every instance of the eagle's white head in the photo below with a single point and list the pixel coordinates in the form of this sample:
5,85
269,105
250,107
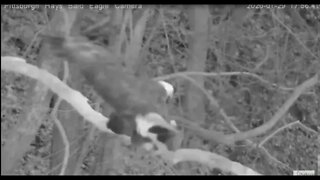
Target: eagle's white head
168,87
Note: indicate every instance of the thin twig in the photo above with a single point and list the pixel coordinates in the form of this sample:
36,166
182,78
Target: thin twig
26,52
187,73
279,114
265,59
61,150
294,35
61,163
97,25
273,158
167,40
276,132
214,102
307,128
60,126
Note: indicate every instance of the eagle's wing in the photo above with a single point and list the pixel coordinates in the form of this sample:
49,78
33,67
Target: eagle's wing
129,95
118,88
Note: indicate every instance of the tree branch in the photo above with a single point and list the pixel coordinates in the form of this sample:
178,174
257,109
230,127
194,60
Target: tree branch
73,97
79,102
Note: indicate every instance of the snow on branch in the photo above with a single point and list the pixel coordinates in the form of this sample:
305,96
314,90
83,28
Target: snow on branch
73,97
212,160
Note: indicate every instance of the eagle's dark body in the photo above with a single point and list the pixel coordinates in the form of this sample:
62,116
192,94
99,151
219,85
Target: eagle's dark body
127,94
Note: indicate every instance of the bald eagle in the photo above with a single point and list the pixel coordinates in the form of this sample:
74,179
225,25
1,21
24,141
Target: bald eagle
137,101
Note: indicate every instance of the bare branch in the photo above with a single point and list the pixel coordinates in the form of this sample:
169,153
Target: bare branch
277,131
73,97
295,36
230,139
189,73
279,114
210,159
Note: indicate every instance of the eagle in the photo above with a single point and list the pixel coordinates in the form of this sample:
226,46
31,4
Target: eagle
138,102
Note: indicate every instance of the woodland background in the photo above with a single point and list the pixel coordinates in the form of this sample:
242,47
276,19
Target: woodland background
253,62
